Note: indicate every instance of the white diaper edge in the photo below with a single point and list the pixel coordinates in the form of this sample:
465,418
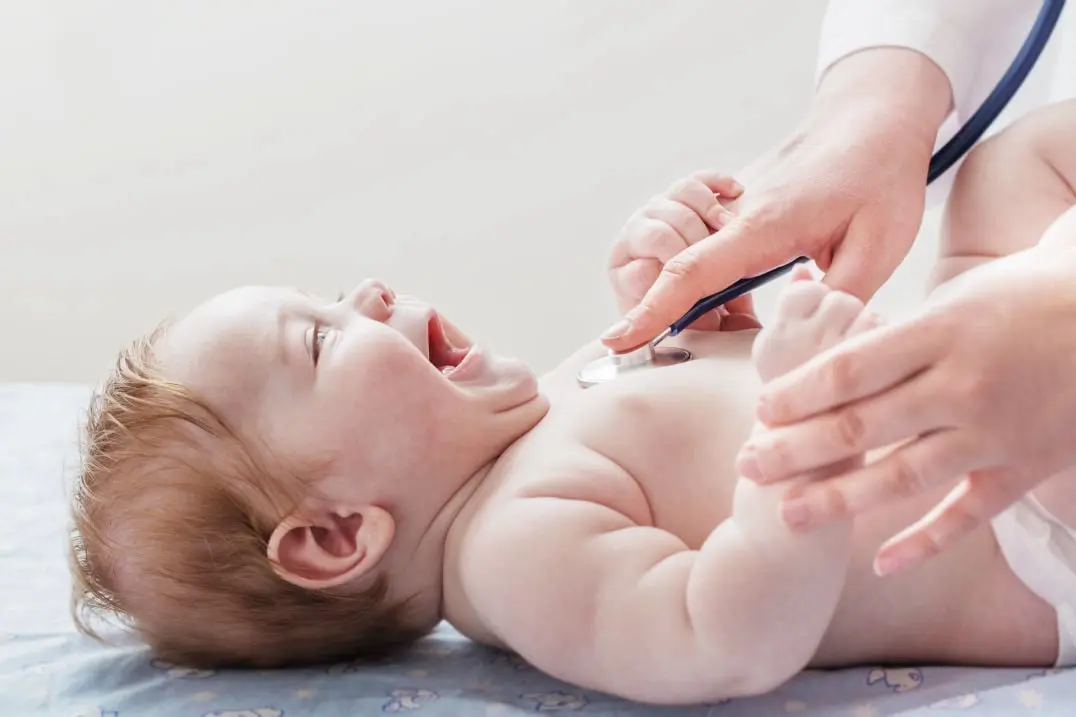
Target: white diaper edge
1031,558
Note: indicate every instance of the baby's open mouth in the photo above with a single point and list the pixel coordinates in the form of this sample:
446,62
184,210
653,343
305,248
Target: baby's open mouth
443,355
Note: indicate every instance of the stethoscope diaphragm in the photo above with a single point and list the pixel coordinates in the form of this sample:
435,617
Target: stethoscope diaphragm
608,368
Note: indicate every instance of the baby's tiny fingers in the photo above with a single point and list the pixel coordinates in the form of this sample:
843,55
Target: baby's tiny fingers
720,183
632,280
652,239
700,199
681,218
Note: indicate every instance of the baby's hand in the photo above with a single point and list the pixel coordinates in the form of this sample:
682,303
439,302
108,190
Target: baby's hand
686,213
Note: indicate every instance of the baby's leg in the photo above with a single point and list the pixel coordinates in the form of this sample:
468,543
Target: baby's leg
1009,190
801,575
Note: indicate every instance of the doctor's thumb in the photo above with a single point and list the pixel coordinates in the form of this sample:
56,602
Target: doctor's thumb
859,269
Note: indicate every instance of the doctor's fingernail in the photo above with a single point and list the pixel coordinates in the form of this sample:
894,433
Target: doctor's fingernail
617,330
889,565
736,186
796,513
723,218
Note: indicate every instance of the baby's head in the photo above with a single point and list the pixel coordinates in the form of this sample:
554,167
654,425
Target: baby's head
270,480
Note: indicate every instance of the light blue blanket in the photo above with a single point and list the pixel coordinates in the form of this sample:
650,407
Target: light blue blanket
47,669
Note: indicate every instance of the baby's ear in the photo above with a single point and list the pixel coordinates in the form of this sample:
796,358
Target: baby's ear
329,546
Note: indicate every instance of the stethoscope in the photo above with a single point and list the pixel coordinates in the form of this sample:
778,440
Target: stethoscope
608,367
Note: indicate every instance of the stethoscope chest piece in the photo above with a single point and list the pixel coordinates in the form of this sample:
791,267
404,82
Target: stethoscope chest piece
608,368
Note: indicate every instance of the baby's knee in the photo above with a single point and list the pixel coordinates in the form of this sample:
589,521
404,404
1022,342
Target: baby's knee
1011,186
1041,145
1050,134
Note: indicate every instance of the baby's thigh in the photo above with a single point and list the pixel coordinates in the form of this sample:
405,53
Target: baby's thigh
1009,189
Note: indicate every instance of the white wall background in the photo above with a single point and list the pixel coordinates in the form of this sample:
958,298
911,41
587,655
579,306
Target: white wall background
480,154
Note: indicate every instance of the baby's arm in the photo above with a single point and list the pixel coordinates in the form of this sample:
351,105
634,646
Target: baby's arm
595,599
592,598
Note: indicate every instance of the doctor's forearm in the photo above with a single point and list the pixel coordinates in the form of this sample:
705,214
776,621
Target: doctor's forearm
887,86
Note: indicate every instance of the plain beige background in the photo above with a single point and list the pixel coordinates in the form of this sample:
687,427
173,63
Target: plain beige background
479,154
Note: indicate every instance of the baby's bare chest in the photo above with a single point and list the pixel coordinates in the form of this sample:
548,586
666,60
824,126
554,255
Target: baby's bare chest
660,449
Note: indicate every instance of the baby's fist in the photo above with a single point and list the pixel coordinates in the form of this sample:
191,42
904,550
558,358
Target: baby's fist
688,212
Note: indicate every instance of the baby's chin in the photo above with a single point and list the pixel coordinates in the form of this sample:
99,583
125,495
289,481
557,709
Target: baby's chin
512,379
503,384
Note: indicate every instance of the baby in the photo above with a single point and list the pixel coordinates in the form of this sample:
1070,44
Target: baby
282,479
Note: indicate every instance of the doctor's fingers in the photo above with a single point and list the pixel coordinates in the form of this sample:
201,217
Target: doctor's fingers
909,409
923,464
862,366
631,281
977,499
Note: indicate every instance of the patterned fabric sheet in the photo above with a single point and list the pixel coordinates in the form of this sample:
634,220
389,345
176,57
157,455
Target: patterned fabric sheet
46,668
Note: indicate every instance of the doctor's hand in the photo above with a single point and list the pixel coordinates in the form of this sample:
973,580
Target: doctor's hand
978,391
686,213
847,190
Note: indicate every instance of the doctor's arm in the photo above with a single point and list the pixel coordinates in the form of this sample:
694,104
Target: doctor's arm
845,187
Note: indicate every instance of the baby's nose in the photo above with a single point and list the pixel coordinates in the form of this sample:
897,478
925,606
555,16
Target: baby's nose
373,298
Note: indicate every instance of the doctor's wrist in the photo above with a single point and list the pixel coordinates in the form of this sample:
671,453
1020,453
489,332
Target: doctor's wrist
894,88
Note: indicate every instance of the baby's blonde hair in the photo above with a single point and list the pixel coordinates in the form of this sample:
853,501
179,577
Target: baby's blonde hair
172,516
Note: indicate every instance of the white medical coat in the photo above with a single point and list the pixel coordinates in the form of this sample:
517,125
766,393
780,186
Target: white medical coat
972,41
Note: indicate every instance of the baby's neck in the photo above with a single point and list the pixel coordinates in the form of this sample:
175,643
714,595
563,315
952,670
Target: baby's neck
421,571
513,427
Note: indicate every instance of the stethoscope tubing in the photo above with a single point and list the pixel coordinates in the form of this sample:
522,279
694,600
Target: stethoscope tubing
940,162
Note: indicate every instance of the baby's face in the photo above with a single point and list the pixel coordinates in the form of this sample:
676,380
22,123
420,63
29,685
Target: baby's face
366,387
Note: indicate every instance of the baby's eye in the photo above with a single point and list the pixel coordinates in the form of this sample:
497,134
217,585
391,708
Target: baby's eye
319,337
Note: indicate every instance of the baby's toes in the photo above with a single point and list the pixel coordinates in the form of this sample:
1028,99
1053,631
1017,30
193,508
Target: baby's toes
791,338
866,321
836,315
800,300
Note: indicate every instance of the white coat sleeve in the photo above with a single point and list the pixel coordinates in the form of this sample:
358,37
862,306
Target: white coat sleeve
972,41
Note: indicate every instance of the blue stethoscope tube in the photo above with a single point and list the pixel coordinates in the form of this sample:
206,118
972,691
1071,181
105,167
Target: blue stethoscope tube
942,160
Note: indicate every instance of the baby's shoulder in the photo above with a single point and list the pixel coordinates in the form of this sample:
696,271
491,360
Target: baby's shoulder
536,502
566,460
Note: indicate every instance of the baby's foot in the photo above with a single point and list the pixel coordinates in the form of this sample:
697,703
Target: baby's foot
811,317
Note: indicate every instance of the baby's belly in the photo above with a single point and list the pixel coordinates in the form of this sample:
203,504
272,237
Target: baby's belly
965,606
